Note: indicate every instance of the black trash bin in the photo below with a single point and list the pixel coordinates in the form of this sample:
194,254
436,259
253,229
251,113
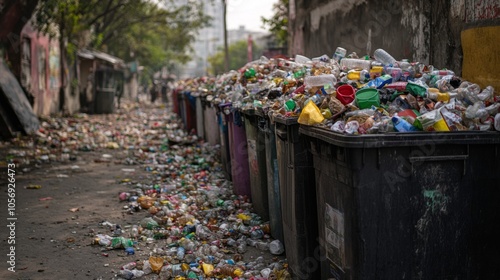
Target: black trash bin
224,142
298,200
104,101
256,140
408,206
273,179
182,108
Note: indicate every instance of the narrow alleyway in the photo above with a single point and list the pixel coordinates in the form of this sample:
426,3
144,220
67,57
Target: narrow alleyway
89,176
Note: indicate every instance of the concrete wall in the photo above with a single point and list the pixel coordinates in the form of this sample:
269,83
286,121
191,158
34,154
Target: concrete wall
425,31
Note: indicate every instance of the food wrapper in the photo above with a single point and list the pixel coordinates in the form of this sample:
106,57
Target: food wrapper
335,106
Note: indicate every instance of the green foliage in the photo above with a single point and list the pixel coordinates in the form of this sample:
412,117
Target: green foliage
151,32
238,55
278,23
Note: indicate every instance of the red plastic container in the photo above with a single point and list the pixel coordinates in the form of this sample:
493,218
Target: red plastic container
345,94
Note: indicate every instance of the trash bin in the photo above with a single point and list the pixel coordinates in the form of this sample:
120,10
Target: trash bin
210,123
104,101
224,142
413,206
256,140
175,101
273,182
190,111
238,151
298,199
182,108
200,130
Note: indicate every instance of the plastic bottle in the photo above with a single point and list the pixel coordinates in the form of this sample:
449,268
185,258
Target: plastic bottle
134,232
401,125
362,76
482,114
471,111
339,54
486,94
442,72
228,270
126,274
130,266
412,101
121,242
395,73
301,59
384,57
435,95
493,109
181,252
355,64
404,64
242,247
316,99
320,80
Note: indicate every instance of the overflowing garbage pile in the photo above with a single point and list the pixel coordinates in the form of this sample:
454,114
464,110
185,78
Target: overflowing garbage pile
194,224
63,139
354,95
200,228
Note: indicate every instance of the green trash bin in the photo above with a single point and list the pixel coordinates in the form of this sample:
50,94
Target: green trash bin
256,144
298,199
407,205
104,101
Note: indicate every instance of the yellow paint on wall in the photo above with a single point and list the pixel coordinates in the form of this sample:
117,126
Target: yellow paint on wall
481,56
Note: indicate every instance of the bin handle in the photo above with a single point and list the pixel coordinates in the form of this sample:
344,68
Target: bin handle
441,158
438,158
282,134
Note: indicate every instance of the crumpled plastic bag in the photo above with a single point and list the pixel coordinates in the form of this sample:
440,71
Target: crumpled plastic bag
310,115
156,264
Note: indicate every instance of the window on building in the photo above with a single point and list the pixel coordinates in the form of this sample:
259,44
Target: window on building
42,68
26,63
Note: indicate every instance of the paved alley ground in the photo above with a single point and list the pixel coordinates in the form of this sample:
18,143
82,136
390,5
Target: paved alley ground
68,181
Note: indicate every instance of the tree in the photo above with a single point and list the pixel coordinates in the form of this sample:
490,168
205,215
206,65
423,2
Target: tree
152,32
238,54
278,23
226,48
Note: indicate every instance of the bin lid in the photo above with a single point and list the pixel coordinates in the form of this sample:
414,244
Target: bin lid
401,139
222,105
259,112
249,112
285,120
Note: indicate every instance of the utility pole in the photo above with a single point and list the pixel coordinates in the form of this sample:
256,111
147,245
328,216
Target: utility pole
226,49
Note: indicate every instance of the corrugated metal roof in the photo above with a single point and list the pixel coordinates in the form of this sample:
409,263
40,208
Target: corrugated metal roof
88,54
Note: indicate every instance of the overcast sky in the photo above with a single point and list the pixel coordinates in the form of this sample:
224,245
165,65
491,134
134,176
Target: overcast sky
248,13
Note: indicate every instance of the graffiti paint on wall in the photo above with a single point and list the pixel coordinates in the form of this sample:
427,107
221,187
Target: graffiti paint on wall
54,66
482,10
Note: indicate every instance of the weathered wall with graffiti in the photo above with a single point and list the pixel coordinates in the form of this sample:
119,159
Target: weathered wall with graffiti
40,70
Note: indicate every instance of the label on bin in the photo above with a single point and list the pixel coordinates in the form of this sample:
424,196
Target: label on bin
334,235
